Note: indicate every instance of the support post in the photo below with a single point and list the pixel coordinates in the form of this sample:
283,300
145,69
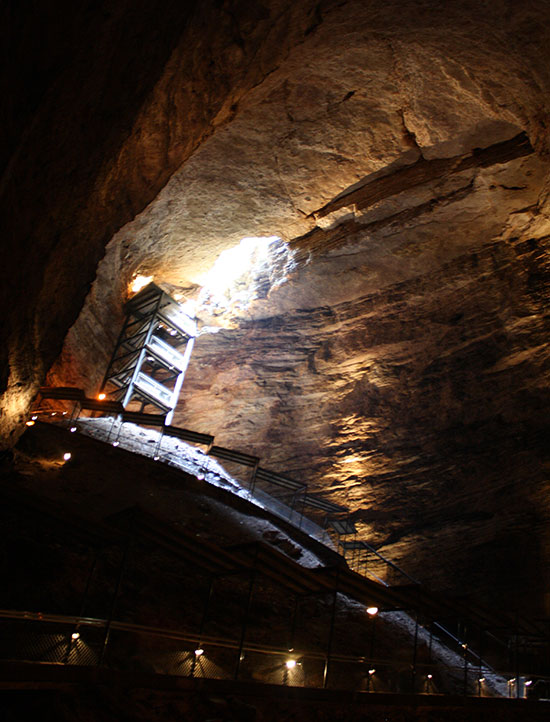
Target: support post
331,631
122,569
415,650
203,622
293,624
246,616
465,648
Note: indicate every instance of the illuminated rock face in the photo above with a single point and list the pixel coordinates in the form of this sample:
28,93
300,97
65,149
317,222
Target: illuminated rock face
395,356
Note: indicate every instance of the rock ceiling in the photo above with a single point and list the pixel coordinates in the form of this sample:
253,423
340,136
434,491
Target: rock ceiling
395,353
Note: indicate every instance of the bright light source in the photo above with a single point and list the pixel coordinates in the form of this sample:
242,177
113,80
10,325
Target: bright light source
198,652
139,282
290,663
30,423
67,455
529,681
33,418
234,263
72,429
372,611
75,635
101,396
481,679
430,676
115,443
156,458
372,671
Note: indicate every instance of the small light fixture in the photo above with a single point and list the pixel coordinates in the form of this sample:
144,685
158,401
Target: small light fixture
529,681
156,458
64,413
481,679
372,671
54,413
199,652
67,455
290,663
72,429
30,423
34,417
101,396
115,443
430,676
75,635
464,645
373,611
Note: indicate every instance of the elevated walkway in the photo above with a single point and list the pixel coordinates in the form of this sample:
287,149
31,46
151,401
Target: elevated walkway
405,593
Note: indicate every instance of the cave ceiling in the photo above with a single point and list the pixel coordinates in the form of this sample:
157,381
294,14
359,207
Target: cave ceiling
392,347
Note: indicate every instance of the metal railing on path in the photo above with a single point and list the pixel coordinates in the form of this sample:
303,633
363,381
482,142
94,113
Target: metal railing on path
82,641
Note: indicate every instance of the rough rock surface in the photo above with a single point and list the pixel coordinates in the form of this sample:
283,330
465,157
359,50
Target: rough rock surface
399,360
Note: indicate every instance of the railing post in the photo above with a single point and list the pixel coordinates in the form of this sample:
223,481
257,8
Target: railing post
203,622
122,569
465,648
331,630
371,648
415,649
293,624
247,614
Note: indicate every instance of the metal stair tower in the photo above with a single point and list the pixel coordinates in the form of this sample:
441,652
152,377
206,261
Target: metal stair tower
152,353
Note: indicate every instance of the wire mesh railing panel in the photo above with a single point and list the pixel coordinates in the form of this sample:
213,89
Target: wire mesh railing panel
85,642
34,641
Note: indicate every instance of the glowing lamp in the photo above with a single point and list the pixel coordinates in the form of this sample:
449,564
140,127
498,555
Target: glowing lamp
67,455
199,652
372,671
75,635
430,676
372,611
101,396
30,423
72,429
290,663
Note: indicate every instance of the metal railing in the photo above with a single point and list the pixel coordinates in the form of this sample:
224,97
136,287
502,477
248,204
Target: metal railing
83,641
